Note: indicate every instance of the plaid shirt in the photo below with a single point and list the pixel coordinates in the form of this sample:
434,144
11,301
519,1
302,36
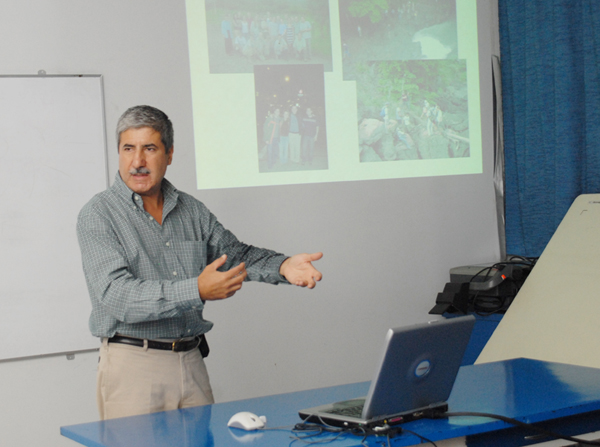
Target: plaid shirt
142,276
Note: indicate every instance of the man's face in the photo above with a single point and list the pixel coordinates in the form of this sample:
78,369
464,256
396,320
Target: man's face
143,160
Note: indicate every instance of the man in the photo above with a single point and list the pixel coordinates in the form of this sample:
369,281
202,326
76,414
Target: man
294,136
307,34
300,47
280,48
309,132
152,256
272,138
227,34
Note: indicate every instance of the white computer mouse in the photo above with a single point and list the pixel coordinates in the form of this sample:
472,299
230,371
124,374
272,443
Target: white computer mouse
247,421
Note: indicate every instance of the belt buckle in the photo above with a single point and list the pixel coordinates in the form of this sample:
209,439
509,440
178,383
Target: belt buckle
177,346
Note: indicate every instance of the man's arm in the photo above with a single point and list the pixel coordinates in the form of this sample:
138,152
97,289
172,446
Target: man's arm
216,285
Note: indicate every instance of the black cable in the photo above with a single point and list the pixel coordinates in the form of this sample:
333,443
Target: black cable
487,305
516,423
306,430
500,264
526,260
422,438
315,429
485,269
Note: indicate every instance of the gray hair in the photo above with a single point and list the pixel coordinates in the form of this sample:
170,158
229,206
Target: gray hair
147,116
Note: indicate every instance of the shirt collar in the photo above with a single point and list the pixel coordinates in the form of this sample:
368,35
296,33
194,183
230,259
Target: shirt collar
170,193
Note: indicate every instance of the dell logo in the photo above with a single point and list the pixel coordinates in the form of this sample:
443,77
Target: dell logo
423,368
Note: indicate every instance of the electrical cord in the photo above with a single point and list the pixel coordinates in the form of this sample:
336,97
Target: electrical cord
422,438
529,262
516,423
305,431
525,260
488,305
485,305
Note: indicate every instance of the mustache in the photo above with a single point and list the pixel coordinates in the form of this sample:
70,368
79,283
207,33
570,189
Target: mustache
142,170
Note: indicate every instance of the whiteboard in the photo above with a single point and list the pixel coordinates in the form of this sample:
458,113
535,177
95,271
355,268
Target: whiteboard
52,161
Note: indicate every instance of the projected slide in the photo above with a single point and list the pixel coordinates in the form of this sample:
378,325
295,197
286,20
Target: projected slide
305,91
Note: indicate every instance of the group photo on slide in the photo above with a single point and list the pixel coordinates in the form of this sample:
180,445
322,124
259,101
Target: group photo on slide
290,118
242,33
413,110
411,86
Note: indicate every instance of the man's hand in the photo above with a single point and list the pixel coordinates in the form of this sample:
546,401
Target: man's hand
298,270
215,285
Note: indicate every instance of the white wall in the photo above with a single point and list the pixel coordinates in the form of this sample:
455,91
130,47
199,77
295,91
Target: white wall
388,244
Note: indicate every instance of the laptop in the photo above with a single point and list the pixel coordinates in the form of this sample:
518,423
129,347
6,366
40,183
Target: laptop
414,377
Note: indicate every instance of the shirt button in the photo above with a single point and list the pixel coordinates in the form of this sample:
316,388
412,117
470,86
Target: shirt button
174,273
168,244
151,218
189,330
136,197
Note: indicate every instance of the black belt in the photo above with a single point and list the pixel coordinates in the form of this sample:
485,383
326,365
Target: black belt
175,346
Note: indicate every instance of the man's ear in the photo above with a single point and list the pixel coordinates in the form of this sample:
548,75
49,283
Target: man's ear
170,155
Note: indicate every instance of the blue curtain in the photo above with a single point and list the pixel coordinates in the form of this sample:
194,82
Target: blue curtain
550,59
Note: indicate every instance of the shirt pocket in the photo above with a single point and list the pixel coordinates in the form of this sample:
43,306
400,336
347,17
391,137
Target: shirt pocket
191,256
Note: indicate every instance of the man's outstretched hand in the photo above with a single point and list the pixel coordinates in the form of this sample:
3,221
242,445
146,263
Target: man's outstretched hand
298,270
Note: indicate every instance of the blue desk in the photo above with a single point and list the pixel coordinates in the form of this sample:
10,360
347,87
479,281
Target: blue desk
565,396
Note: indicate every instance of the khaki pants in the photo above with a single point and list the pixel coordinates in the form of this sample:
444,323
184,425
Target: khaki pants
134,380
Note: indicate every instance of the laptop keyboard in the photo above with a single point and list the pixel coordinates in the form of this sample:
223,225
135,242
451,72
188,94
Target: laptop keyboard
352,408
355,412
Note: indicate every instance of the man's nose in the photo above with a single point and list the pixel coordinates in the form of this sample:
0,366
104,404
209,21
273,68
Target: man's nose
139,159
